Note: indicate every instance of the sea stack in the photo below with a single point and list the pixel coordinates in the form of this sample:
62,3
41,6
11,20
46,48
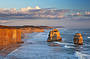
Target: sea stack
54,35
78,39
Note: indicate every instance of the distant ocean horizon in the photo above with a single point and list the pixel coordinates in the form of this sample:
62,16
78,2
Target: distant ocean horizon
68,22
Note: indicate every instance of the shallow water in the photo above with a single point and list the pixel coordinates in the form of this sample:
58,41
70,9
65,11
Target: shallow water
36,47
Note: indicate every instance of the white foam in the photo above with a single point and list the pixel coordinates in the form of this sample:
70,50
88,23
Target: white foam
81,55
66,46
88,37
63,43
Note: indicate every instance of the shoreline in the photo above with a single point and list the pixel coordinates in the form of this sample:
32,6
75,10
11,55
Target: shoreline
5,51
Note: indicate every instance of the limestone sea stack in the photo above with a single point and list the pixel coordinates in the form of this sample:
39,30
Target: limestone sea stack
54,35
78,39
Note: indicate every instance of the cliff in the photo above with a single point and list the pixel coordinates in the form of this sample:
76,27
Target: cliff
10,35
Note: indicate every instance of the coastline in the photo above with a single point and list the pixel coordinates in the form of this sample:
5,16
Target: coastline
10,46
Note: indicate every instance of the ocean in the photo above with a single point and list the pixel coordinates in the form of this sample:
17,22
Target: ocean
36,46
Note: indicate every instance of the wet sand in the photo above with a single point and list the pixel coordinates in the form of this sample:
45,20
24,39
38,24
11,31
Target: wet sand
6,50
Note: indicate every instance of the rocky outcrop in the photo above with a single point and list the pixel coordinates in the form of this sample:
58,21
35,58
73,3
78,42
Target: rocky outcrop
78,39
54,35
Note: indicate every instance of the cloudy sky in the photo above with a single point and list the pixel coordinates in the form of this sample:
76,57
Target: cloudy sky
60,4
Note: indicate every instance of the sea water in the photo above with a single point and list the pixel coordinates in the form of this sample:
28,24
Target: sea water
37,47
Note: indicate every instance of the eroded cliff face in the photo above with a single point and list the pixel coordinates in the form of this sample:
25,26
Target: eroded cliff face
9,37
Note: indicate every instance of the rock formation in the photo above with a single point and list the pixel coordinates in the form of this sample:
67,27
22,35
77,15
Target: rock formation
54,35
78,39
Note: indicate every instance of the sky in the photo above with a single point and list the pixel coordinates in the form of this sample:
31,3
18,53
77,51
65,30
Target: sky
59,4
